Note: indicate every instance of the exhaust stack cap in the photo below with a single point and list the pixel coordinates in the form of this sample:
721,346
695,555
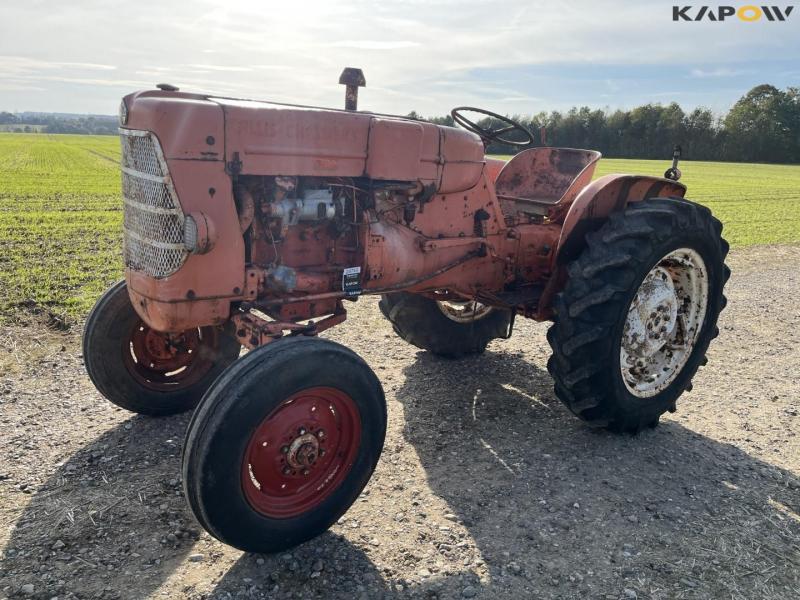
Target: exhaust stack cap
353,79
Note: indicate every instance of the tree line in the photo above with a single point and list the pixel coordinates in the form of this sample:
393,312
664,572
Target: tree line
763,126
55,123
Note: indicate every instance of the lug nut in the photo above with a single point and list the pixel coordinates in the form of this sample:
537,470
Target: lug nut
320,434
285,449
286,470
302,431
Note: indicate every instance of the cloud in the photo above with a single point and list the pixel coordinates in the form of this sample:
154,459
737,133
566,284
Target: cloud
228,68
718,72
10,65
374,44
19,87
426,55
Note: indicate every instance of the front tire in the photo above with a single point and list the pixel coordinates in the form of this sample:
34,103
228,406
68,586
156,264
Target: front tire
140,369
638,313
450,329
283,443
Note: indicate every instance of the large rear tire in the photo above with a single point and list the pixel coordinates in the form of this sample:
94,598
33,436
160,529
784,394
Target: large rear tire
638,313
451,329
144,371
283,443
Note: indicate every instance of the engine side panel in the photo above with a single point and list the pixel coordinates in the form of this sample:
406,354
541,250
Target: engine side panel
279,140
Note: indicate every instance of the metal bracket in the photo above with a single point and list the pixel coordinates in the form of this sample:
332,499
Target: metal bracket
431,244
253,331
234,166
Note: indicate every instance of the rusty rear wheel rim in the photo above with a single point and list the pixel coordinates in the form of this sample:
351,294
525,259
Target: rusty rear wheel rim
164,362
664,322
464,311
301,452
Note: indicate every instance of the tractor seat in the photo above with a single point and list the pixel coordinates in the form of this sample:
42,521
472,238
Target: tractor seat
538,178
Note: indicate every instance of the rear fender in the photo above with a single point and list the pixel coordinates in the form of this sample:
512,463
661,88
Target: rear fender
602,197
588,212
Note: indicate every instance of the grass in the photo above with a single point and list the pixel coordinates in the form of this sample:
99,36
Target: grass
60,216
758,204
60,221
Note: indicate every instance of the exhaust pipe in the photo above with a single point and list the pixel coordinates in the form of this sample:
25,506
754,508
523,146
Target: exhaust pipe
353,79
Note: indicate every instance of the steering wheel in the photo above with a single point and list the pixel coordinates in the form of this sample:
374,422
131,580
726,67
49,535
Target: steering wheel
491,135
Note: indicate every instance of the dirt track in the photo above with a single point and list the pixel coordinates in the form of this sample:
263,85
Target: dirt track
487,486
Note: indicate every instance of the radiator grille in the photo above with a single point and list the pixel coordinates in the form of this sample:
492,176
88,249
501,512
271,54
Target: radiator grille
153,219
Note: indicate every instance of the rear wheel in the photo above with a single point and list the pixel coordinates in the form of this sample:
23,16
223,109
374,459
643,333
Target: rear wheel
638,313
146,371
445,327
283,443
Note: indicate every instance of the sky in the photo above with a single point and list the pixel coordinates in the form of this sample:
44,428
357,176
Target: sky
512,57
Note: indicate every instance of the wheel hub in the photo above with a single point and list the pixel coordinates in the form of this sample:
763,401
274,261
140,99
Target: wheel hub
165,361
159,345
301,452
652,315
664,322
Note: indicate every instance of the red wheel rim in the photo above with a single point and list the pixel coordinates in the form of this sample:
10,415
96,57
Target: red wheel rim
165,362
301,452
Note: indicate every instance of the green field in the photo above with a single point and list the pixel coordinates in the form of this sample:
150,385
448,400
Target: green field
60,215
60,219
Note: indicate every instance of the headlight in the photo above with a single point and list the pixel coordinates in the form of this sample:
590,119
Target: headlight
190,233
123,113
199,233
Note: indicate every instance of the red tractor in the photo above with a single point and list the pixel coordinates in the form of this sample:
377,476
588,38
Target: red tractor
255,223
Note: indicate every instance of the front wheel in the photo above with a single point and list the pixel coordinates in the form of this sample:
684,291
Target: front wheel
283,443
638,313
143,370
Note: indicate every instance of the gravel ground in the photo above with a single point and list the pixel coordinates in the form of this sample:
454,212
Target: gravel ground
487,487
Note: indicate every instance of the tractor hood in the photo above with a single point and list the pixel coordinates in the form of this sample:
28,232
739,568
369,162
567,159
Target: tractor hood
265,138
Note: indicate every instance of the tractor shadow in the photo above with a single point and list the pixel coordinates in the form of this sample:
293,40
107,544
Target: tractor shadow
111,522
551,508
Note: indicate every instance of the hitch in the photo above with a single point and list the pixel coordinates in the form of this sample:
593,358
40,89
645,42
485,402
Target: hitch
674,173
